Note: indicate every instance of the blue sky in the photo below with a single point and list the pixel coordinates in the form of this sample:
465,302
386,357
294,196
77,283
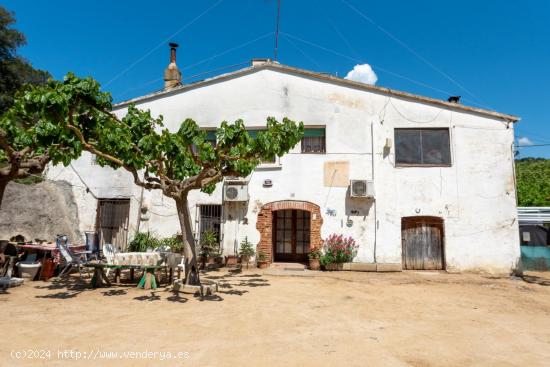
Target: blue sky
493,53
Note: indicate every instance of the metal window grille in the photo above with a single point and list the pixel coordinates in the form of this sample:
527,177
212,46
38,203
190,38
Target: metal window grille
210,219
313,144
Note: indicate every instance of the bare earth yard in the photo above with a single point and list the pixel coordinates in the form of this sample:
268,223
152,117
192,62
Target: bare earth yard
342,318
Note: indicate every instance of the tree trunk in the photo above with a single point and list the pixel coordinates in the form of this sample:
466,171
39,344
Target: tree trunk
3,184
191,268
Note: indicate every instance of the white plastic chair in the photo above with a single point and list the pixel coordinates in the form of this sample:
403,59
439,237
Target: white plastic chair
109,251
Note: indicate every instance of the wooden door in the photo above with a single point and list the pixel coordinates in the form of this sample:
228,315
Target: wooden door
112,222
422,239
291,235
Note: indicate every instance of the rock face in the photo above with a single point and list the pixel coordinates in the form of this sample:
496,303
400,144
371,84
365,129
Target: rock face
41,211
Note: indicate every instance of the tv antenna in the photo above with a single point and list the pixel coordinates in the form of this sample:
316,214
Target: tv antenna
277,30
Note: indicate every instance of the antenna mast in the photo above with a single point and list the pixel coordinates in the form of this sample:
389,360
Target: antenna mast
277,30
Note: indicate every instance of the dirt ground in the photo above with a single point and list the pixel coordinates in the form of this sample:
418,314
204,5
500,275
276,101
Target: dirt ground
340,318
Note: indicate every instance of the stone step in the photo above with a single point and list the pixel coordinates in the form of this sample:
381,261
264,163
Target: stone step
288,266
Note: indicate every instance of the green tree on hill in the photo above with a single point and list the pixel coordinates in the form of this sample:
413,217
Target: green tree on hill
15,71
533,181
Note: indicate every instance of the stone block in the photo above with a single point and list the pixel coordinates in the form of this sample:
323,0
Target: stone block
363,266
388,267
205,289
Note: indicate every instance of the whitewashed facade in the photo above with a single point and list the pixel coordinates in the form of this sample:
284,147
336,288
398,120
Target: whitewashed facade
474,195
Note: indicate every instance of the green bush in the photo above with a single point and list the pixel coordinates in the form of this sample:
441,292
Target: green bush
142,241
173,243
246,249
210,246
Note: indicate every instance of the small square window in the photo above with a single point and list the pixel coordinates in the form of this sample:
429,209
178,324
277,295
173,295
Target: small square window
314,141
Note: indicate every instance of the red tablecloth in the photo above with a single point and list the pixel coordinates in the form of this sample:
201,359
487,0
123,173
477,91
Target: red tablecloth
50,247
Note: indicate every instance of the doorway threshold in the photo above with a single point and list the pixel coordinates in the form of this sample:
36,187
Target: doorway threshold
288,266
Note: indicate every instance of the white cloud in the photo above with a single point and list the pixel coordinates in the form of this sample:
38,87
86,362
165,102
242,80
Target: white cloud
525,141
363,74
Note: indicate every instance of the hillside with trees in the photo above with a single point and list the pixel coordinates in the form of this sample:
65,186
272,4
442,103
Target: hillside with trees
533,181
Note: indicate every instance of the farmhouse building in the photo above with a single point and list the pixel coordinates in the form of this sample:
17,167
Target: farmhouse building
419,183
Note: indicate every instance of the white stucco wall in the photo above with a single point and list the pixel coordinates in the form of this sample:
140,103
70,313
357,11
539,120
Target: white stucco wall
475,196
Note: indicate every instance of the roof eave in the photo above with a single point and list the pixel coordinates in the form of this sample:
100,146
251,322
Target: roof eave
326,77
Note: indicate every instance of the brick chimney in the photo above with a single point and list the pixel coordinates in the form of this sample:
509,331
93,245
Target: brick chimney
172,75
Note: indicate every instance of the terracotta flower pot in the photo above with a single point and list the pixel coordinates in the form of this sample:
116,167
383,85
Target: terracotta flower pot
263,264
231,260
314,264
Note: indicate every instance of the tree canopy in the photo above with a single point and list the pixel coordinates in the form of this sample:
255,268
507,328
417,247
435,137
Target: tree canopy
62,119
533,181
20,154
15,71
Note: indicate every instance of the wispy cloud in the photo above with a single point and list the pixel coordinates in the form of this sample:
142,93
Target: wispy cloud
362,73
525,141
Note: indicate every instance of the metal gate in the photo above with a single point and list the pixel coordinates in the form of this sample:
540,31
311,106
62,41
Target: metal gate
112,222
422,239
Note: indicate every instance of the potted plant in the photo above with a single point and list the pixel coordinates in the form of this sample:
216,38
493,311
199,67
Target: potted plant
314,258
262,260
231,260
174,244
143,241
209,247
246,251
338,250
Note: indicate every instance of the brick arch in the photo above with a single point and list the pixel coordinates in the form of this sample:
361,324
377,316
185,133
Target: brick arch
265,223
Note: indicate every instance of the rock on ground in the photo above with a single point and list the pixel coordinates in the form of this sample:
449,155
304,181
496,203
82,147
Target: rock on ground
40,210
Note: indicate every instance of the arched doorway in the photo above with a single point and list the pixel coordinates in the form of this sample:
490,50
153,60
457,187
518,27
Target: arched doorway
291,235
423,243
294,225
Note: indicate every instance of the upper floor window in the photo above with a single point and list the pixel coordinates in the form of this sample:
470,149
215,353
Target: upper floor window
210,138
424,147
254,134
314,141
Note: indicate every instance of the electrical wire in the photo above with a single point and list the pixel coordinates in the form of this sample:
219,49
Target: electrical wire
533,145
408,48
227,51
311,59
163,43
415,121
444,92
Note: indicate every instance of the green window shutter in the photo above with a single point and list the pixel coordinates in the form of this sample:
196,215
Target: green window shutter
211,135
254,133
314,133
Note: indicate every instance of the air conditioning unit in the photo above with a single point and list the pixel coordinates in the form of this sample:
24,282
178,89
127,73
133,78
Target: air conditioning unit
361,189
235,192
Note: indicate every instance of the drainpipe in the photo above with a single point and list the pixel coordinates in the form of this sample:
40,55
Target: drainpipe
139,211
372,177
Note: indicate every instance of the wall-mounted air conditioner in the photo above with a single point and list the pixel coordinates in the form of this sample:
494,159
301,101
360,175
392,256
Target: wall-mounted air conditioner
361,189
235,192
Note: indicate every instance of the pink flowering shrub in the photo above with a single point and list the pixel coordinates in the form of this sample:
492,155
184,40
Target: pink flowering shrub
339,249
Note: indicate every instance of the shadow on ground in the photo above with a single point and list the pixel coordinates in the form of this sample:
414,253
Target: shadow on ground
231,282
536,280
69,287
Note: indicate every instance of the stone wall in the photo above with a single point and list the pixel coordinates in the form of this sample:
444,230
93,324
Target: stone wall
40,211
